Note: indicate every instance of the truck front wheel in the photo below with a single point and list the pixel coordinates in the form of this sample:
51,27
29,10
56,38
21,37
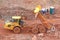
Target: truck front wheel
16,30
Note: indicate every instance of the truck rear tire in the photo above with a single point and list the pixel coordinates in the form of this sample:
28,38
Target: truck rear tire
42,29
16,30
35,30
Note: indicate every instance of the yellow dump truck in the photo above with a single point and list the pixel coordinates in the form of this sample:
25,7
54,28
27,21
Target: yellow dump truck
13,24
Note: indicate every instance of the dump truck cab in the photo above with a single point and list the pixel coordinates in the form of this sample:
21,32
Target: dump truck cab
16,19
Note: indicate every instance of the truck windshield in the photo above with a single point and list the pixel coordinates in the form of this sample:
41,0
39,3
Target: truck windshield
14,20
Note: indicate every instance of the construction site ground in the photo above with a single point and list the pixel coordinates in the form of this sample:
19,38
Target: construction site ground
9,35
12,7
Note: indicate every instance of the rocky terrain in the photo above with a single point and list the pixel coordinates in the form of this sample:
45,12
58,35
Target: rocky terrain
10,8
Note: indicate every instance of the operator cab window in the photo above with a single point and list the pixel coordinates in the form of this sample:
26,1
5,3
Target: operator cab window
14,20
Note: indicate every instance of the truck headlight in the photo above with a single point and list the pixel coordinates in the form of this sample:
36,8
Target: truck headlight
9,25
